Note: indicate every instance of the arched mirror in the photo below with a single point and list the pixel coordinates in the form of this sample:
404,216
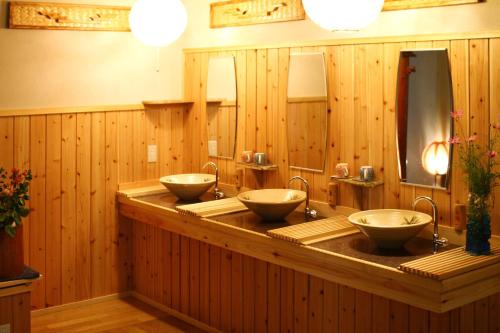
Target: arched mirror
424,125
221,107
307,107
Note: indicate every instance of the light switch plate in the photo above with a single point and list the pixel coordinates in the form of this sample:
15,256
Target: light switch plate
5,328
152,156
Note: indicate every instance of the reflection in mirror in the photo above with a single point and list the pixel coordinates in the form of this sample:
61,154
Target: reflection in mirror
424,103
221,106
307,105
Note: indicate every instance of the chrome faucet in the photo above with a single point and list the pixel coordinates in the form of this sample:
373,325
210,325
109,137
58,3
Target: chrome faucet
308,212
218,194
436,241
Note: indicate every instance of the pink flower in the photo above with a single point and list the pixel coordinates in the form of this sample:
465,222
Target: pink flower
492,154
497,126
454,140
472,138
457,114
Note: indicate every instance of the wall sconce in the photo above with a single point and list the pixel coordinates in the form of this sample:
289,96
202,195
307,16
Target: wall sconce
435,159
349,15
158,22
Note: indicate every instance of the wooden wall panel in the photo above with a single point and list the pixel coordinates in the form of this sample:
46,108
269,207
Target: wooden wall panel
73,235
361,118
250,295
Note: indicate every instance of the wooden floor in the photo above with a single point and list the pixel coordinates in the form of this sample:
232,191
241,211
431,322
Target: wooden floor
111,316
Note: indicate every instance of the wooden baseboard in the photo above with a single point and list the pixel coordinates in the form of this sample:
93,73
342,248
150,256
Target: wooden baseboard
79,304
174,313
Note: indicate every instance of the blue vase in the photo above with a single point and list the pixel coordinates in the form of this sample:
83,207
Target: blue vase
478,236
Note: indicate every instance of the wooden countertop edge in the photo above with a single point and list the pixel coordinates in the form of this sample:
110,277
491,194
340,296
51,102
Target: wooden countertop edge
436,296
14,287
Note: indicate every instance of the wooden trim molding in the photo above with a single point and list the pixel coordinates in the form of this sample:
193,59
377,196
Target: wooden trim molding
70,109
412,4
352,41
66,16
174,313
75,305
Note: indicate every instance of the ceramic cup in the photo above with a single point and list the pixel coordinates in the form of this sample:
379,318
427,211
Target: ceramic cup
342,170
260,158
366,173
247,156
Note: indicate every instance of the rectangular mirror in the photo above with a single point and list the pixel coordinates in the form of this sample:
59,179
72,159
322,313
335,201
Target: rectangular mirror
424,125
221,106
307,107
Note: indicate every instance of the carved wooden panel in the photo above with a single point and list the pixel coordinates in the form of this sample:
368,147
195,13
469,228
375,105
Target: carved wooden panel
248,12
411,4
59,16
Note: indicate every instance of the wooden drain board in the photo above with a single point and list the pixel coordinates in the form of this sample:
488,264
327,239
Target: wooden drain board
212,208
312,232
450,263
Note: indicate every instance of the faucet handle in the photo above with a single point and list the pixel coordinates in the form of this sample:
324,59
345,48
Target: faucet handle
311,213
442,242
218,194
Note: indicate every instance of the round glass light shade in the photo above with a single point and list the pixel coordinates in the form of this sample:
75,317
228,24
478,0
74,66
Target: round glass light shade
435,158
158,22
343,14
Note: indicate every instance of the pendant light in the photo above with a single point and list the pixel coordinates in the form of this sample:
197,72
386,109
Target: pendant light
349,15
158,22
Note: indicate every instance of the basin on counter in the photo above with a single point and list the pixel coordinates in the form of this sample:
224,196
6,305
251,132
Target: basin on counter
390,228
188,186
272,204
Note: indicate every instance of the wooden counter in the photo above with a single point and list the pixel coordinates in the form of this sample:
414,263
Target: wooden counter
15,305
436,296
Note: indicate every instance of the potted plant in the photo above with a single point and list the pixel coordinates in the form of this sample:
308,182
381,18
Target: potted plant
479,165
14,189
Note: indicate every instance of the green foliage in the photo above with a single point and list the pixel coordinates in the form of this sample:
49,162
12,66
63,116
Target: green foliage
14,189
480,166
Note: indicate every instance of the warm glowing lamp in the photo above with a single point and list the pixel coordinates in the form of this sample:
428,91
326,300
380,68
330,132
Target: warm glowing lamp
343,14
435,158
158,22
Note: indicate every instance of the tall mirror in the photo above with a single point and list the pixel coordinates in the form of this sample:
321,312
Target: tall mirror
307,107
424,125
221,106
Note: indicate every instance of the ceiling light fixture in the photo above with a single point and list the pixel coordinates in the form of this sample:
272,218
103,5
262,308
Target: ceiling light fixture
158,22
346,15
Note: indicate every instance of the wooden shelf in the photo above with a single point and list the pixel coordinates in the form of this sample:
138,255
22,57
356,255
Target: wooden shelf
166,102
253,166
356,182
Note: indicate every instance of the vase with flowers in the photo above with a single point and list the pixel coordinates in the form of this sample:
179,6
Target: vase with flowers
480,167
14,187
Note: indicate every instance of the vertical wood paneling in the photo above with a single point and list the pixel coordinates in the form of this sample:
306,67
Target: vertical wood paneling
83,181
300,302
98,241
37,218
113,281
53,211
237,293
184,275
494,57
22,161
68,207
73,235
194,279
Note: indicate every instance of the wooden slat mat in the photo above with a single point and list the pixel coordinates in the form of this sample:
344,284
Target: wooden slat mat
311,232
212,208
450,263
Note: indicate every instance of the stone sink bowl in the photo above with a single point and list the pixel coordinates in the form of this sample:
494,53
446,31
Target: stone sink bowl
272,204
390,228
188,186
